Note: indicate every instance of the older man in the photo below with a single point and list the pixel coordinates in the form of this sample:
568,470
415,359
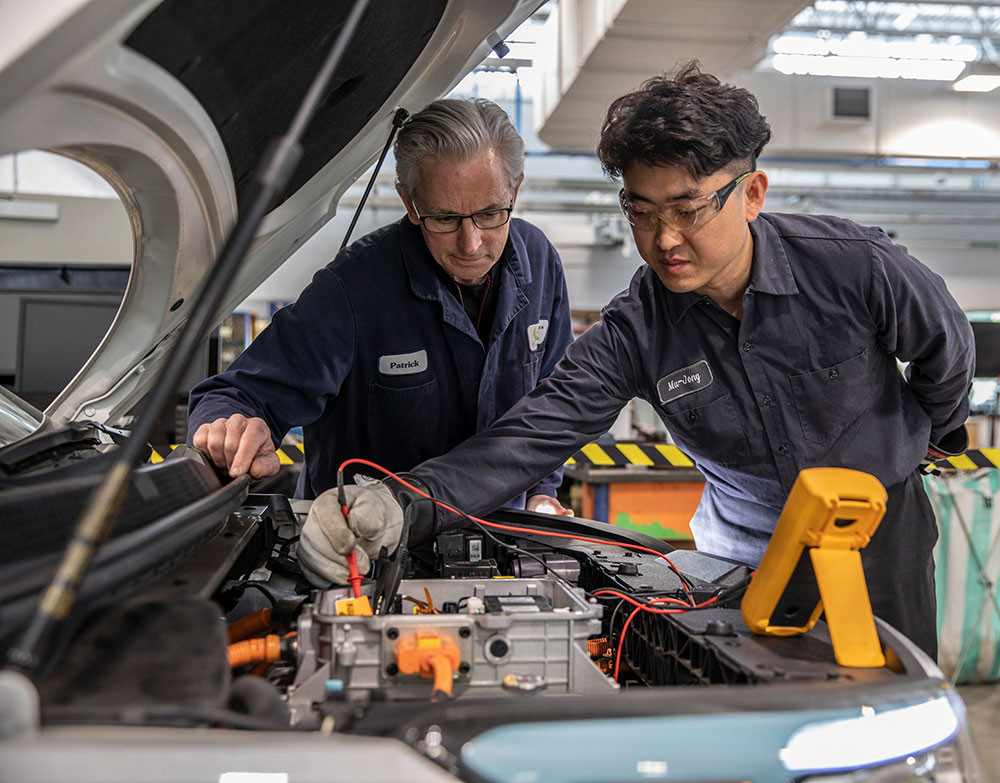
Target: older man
768,343
416,336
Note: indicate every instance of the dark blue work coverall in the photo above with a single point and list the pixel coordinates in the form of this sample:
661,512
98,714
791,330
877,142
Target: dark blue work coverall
807,378
377,359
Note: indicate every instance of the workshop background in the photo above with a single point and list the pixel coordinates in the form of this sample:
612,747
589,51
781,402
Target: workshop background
887,113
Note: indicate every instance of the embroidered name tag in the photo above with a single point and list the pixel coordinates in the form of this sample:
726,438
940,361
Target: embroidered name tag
403,363
536,334
690,379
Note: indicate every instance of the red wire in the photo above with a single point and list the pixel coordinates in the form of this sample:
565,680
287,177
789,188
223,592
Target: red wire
621,639
639,607
665,599
512,528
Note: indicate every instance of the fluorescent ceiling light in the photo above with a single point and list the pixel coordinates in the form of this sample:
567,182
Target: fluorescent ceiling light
978,77
931,70
879,47
906,16
867,67
800,44
871,738
21,209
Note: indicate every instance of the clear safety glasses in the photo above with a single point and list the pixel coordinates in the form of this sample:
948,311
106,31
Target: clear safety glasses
680,215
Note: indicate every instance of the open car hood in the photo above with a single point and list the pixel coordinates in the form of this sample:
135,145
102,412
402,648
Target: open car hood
173,104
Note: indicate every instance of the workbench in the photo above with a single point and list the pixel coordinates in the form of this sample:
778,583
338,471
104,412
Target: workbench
653,500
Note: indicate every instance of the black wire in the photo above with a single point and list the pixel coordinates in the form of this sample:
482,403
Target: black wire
285,545
518,549
611,623
726,593
267,593
688,585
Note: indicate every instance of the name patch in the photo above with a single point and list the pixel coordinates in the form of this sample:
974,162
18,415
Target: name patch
403,363
536,334
687,381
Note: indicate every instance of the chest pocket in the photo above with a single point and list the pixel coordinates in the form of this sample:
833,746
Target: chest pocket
828,401
403,415
530,371
712,431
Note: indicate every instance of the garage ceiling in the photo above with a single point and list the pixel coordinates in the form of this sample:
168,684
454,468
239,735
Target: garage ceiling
598,49
591,51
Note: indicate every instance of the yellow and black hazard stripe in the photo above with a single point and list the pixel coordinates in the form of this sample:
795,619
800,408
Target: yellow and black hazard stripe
658,455
619,455
973,460
287,455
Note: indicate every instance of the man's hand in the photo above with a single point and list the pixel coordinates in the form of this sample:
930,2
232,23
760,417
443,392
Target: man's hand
239,444
544,504
375,520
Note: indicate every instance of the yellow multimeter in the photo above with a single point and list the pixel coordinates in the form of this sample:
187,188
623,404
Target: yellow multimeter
813,564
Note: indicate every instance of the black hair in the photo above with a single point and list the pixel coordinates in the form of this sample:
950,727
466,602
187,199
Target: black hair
690,120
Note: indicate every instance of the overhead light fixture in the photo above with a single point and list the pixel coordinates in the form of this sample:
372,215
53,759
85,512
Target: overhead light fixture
22,209
867,67
978,77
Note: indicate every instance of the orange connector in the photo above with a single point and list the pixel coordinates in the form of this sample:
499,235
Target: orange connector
429,655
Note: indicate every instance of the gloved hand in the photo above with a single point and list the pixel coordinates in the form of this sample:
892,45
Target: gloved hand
949,445
374,521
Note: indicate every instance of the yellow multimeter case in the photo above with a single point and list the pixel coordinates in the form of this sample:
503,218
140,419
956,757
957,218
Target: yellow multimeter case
813,564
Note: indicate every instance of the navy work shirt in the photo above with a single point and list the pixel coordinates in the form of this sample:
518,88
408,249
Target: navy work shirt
807,378
376,359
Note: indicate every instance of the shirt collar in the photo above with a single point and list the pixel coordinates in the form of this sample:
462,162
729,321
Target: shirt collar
770,274
423,270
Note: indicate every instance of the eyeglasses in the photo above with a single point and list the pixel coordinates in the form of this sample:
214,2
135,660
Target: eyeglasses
449,224
683,214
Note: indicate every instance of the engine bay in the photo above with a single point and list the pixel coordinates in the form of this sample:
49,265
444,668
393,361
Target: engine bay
562,608
196,614
517,606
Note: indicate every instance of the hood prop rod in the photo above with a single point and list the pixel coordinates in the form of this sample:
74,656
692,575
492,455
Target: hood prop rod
397,122
272,176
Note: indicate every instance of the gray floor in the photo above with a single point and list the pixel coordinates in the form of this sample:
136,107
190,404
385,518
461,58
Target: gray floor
983,703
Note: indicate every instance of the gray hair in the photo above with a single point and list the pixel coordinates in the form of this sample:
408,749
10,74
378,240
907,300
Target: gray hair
456,130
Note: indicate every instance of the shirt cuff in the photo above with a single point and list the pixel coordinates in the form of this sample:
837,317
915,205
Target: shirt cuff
949,445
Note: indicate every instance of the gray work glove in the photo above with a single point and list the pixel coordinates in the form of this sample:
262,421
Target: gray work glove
374,521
